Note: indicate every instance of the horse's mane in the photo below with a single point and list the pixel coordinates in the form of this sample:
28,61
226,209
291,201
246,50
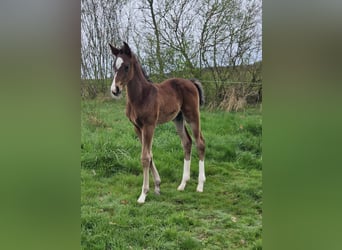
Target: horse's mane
142,69
145,74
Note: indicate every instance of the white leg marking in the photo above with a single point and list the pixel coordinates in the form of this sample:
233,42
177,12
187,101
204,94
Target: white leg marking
201,177
186,175
142,197
145,187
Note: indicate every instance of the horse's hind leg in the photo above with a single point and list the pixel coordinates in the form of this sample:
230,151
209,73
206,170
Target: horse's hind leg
186,142
200,144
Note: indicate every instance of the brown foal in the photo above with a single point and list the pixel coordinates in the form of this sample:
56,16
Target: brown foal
148,104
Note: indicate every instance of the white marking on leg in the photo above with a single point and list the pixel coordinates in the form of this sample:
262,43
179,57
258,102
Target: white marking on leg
186,175
145,187
201,177
142,197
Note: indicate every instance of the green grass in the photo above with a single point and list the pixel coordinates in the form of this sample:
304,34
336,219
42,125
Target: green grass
227,215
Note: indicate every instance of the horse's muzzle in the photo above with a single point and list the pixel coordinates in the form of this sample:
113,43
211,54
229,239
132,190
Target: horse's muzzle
117,92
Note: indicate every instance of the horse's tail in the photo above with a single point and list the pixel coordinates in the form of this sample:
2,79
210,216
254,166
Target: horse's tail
199,87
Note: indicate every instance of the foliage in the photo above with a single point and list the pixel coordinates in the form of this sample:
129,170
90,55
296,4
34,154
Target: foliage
215,41
170,36
227,215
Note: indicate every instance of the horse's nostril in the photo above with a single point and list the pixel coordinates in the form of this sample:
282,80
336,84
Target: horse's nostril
116,92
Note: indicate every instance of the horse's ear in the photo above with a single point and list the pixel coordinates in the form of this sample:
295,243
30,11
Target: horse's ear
115,51
126,49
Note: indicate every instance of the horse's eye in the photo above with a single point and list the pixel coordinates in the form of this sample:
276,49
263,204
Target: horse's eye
126,68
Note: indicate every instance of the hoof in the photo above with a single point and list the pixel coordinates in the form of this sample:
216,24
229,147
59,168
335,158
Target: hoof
200,188
181,187
141,199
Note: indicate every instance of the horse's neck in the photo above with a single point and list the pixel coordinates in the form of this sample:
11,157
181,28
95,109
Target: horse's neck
136,86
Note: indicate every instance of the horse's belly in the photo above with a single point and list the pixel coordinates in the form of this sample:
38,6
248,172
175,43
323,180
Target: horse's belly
167,115
169,104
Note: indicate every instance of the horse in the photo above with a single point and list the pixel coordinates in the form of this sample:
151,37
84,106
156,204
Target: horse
148,105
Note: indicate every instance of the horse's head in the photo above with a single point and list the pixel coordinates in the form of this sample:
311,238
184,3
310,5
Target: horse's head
122,69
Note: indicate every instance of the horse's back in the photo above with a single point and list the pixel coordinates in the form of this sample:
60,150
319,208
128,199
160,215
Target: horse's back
179,86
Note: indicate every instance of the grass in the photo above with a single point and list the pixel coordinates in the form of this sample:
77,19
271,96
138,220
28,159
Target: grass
227,215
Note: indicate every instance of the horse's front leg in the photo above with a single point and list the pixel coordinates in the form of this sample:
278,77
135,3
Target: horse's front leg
153,168
146,159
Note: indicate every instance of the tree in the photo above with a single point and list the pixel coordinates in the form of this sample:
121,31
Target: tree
187,38
100,25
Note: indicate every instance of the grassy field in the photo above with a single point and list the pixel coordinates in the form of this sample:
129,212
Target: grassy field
227,215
